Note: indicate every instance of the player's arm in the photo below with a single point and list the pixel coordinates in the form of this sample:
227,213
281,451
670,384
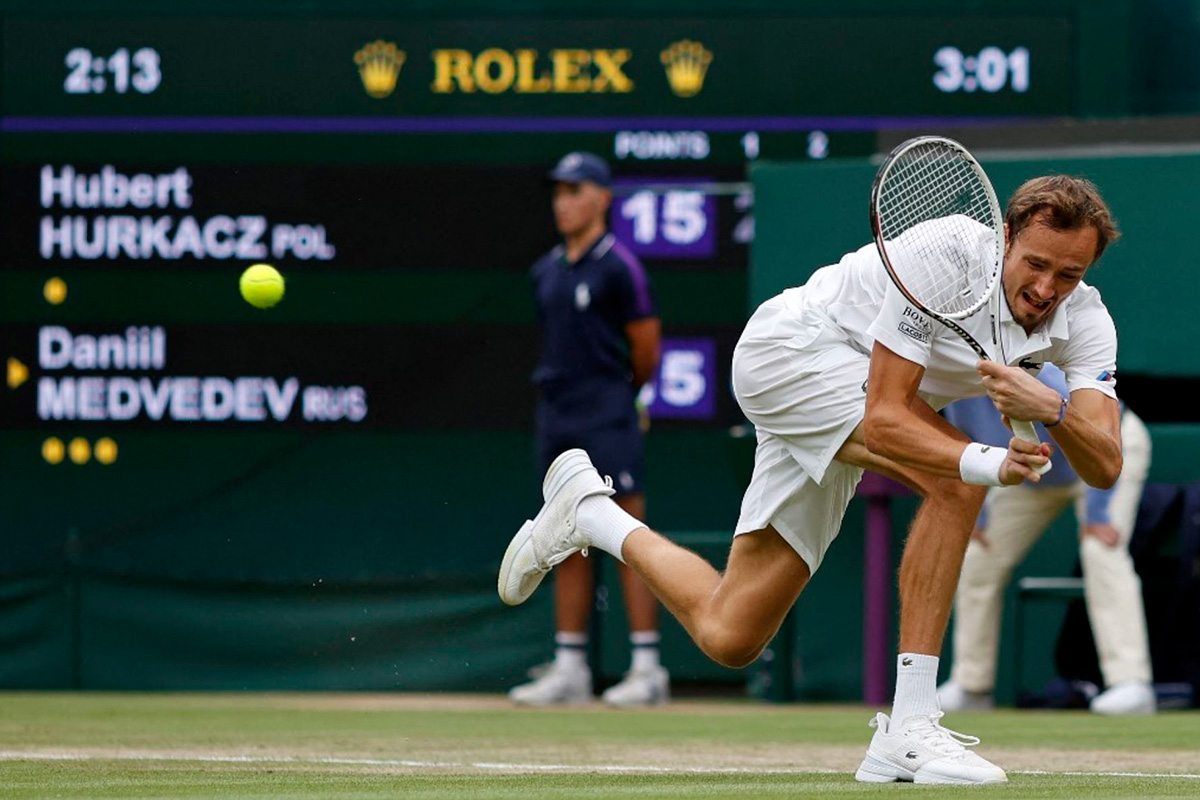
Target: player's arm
1090,437
1090,432
645,347
893,429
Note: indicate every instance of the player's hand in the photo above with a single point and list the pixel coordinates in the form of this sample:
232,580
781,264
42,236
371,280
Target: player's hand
1022,457
1106,533
1017,394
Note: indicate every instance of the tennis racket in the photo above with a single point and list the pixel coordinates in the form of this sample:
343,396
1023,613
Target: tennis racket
939,230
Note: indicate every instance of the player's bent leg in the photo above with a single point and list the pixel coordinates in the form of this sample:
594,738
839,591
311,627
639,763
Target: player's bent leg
733,616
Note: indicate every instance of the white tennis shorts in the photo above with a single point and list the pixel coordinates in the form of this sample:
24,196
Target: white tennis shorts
803,385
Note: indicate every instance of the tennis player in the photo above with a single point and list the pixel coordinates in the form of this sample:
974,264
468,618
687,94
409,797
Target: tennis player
841,375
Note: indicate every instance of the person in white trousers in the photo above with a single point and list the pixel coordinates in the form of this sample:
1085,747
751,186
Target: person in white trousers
1013,519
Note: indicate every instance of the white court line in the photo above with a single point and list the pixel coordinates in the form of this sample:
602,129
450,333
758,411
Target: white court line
400,762
16,755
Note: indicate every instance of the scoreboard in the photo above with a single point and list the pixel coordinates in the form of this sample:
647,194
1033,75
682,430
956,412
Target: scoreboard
390,164
757,65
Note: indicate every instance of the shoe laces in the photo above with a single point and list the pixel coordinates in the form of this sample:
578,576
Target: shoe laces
929,731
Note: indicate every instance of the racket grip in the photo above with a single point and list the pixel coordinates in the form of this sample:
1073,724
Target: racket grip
1026,431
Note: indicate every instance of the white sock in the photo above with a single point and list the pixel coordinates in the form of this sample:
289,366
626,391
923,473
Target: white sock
606,524
916,686
571,650
645,650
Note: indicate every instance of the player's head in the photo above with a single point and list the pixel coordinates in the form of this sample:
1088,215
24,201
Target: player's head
581,193
1056,226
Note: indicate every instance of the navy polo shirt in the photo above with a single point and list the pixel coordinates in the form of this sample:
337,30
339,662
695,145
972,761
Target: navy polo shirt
584,373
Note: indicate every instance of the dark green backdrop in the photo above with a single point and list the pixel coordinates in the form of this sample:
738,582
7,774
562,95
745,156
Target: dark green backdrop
333,556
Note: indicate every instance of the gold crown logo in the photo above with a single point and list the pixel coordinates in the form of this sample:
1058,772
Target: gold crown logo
686,63
379,65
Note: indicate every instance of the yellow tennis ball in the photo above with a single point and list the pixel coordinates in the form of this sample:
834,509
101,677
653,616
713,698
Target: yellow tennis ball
261,285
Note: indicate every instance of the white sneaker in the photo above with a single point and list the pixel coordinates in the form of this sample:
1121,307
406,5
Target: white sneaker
922,751
552,536
953,697
1132,697
538,670
646,687
557,686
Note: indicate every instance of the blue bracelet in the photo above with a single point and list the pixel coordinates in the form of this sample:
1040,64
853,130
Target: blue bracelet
1062,412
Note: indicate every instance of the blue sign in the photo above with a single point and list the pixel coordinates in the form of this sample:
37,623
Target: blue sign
685,386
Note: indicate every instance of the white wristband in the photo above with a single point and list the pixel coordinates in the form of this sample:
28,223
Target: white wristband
980,464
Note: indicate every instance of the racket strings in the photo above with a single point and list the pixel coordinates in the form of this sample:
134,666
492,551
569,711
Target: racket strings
939,227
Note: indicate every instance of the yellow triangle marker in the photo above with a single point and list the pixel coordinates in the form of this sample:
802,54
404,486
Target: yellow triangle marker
18,373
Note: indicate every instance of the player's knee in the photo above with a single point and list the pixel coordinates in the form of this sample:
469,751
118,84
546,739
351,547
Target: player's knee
729,647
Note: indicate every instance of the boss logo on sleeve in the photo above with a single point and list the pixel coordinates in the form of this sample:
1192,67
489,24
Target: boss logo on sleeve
915,325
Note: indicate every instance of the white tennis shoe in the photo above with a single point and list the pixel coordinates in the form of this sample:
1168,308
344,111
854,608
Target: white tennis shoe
559,685
645,687
1134,697
922,751
552,536
953,697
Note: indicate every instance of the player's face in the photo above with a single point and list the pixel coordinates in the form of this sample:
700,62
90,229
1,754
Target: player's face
578,206
1042,266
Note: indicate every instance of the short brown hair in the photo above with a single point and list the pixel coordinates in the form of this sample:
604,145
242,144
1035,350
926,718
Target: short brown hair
1069,203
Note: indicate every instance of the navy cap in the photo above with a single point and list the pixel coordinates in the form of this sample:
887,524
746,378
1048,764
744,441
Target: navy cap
580,166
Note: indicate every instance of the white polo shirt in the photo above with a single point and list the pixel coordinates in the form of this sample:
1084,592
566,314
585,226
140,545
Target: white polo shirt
858,298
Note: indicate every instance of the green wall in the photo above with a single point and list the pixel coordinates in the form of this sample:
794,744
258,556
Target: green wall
353,561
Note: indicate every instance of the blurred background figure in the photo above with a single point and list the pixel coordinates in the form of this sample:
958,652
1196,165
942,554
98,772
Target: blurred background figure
1012,520
601,339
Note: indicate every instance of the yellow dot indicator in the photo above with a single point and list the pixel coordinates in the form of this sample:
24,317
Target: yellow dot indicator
105,450
55,291
79,450
53,450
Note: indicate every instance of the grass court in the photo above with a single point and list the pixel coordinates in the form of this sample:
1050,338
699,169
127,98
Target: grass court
432,747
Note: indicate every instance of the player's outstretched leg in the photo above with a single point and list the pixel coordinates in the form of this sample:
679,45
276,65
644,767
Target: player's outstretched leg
731,616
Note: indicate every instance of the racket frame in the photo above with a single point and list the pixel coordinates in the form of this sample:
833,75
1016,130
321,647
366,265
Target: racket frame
1021,428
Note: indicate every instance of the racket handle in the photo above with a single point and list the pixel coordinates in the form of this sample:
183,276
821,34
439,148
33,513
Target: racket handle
1026,431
